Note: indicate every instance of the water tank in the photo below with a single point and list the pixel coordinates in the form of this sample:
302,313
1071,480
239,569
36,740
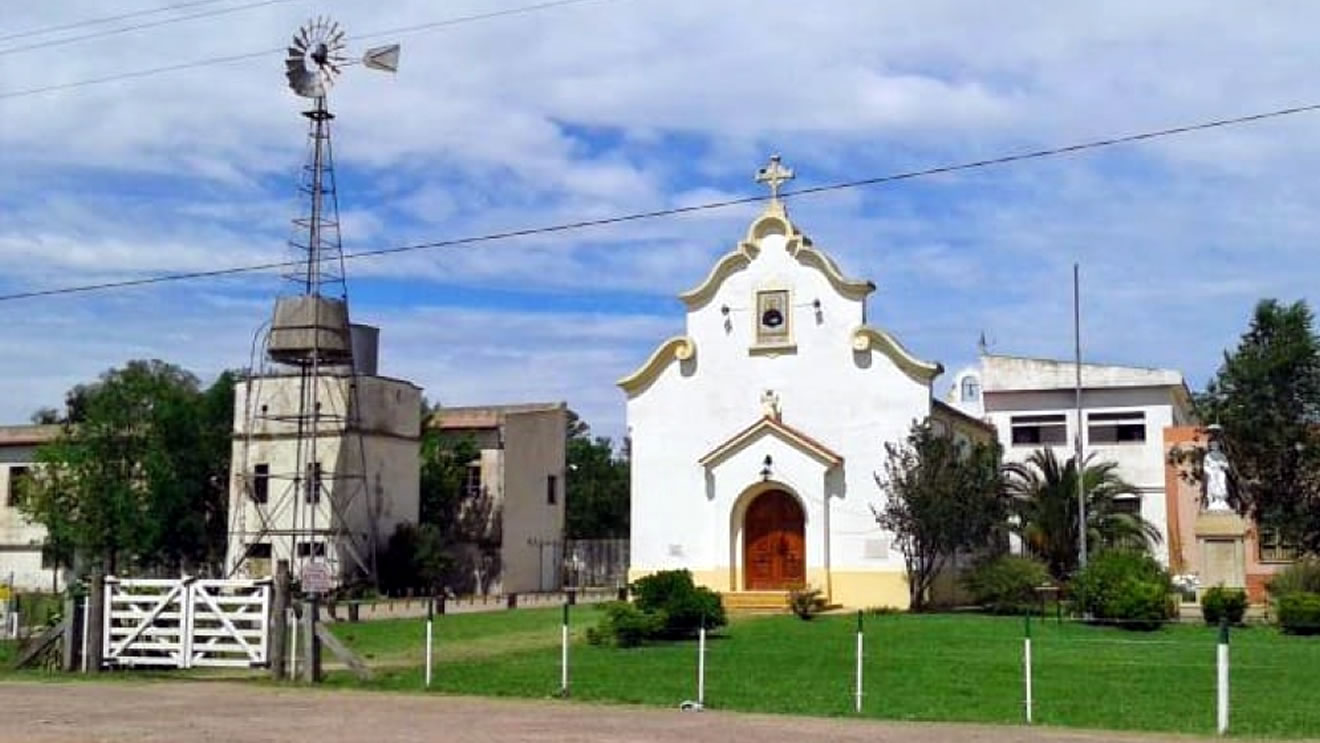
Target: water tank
310,328
366,349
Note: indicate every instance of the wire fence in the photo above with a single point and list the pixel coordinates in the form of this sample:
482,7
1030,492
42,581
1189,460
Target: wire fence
917,667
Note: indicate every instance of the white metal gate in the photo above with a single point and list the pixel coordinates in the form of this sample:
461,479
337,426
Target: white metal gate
186,622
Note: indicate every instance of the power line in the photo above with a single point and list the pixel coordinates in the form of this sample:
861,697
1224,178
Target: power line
139,27
41,31
675,211
416,28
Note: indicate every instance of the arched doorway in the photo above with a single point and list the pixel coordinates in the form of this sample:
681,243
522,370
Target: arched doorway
774,543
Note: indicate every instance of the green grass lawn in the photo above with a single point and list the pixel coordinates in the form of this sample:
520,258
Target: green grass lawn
935,667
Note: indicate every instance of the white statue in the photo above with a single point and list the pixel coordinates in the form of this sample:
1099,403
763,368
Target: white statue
1215,468
770,404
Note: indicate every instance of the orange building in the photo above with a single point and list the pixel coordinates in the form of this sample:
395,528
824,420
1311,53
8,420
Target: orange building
1196,537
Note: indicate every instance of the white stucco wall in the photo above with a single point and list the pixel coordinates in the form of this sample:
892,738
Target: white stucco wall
20,539
1013,386
851,402
372,501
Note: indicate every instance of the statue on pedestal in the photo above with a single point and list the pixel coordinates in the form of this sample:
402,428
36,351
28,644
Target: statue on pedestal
1215,468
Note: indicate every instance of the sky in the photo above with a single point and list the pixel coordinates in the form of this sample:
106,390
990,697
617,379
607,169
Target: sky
604,107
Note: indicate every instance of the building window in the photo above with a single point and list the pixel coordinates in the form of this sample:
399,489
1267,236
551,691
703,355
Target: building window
551,489
1034,430
1127,427
773,315
314,475
18,476
971,389
472,481
1131,506
311,549
1274,546
260,483
259,550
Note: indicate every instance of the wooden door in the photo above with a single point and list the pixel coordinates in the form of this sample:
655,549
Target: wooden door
774,543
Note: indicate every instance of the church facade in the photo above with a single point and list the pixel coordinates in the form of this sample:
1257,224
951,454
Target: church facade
757,434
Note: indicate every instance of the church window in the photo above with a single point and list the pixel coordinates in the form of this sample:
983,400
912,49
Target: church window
1033,430
773,316
971,389
1116,428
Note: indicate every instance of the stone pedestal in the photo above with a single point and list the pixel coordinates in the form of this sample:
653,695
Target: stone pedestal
1221,542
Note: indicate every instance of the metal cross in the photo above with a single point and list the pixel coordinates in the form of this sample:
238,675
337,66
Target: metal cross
774,175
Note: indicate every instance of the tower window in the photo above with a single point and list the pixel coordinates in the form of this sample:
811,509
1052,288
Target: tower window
971,389
260,483
551,489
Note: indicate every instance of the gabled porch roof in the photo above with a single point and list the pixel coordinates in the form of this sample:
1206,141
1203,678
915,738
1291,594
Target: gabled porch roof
773,427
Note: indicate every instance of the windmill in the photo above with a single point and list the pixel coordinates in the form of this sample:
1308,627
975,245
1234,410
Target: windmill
289,505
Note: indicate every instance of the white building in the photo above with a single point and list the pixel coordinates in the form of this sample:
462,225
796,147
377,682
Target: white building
517,487
21,559
349,497
757,433
1032,403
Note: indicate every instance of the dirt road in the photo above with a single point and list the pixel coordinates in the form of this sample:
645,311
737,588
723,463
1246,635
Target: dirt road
234,713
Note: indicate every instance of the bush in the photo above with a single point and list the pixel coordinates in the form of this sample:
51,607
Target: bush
1006,584
883,610
684,607
806,602
1301,576
624,626
1223,603
1299,613
1124,587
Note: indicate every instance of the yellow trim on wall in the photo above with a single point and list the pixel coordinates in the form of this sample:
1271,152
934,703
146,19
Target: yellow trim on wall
868,338
774,220
854,589
680,348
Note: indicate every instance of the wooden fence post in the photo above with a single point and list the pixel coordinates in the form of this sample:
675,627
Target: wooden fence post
312,643
96,616
278,621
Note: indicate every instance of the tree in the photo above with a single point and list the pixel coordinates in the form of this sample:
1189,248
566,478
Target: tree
1043,499
1266,396
941,498
598,488
137,477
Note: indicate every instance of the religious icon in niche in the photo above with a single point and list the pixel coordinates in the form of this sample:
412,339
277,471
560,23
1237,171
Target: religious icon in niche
772,316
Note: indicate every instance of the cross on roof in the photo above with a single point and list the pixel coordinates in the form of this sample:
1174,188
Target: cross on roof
774,175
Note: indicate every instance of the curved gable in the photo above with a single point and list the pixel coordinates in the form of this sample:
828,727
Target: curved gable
774,221
678,348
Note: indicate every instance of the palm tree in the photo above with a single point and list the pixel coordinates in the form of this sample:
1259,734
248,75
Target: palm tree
1043,499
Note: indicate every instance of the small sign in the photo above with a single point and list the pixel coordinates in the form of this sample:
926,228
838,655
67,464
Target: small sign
4,593
316,578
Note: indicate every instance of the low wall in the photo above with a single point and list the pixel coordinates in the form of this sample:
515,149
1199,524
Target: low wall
411,608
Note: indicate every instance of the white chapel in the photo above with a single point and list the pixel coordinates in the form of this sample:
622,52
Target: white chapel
757,434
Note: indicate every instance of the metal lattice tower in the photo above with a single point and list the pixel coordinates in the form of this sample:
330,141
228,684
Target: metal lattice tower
302,502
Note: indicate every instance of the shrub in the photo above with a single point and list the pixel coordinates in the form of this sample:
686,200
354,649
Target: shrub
806,602
1006,584
1223,603
883,610
624,626
1124,587
684,607
1299,613
1301,576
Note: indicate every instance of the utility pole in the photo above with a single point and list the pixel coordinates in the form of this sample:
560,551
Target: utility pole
1077,440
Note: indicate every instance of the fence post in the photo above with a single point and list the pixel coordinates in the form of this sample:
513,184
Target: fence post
86,629
311,643
430,635
701,664
1222,663
563,654
859,661
278,622
1026,666
292,621
99,618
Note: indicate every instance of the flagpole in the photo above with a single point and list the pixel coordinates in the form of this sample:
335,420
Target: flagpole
1077,440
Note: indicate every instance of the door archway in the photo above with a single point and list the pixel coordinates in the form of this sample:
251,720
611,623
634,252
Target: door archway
774,543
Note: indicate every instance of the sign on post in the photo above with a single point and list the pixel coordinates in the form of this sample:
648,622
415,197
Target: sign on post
316,578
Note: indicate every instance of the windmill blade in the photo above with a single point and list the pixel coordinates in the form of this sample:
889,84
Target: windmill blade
382,58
